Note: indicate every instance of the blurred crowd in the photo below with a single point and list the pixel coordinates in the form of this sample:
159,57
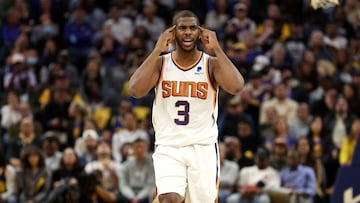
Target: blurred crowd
71,133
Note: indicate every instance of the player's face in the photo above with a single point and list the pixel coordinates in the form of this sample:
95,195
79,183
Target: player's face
187,33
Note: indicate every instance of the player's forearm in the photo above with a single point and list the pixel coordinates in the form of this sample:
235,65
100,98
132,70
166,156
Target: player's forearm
141,81
231,79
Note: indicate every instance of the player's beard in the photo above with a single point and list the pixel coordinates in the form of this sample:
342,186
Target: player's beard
179,44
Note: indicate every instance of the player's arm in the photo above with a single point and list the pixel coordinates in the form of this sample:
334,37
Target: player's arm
147,75
223,70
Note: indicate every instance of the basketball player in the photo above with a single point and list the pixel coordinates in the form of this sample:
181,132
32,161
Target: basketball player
186,82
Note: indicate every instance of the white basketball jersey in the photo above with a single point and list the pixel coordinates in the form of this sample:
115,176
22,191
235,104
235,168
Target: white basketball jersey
185,108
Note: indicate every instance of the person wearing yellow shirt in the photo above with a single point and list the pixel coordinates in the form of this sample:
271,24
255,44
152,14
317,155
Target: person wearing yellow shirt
349,143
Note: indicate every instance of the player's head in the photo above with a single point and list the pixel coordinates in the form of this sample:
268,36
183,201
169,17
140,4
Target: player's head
187,30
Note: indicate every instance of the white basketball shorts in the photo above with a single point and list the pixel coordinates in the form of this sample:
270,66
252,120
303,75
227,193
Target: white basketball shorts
190,171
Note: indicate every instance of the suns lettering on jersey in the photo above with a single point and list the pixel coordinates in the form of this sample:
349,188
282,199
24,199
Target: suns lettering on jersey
184,89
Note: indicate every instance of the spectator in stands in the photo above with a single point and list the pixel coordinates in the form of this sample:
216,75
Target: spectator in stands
105,166
278,157
349,143
308,156
122,28
148,19
10,113
317,45
255,180
117,121
45,30
234,152
285,107
78,34
301,124
7,181
55,116
338,124
281,130
69,68
19,77
299,179
351,94
216,18
137,178
33,181
50,147
11,28
61,81
85,146
78,113
241,22
229,171
26,137
129,134
66,178
280,59
49,52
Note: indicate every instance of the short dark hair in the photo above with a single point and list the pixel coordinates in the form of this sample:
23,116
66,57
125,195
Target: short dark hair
184,14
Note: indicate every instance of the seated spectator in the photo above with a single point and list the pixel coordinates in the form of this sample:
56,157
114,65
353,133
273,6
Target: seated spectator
25,110
229,171
62,81
300,126
234,152
85,146
349,143
10,112
90,190
26,137
20,77
78,113
122,28
317,45
11,27
278,158
65,178
45,30
55,116
7,181
148,19
241,22
129,134
299,179
255,180
280,59
105,166
284,106
33,181
216,18
137,178
280,131
78,34
50,147
338,124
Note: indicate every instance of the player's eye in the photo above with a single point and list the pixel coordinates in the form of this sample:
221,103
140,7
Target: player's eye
182,28
193,27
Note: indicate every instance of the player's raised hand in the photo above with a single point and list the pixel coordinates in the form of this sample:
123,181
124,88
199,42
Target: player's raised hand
165,39
209,39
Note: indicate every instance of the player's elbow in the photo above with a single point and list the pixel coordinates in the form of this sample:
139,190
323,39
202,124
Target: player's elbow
237,88
134,91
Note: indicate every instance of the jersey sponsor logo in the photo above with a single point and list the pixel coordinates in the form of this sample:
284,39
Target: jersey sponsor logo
184,89
199,70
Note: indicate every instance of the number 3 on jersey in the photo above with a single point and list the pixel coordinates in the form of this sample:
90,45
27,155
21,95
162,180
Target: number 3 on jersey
183,112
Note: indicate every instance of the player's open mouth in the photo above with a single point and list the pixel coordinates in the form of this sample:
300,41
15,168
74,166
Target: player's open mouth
187,42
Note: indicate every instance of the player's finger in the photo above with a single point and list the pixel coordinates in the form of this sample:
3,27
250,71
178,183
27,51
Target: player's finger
170,29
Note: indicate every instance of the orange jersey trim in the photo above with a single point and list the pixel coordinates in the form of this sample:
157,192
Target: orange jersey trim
183,68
